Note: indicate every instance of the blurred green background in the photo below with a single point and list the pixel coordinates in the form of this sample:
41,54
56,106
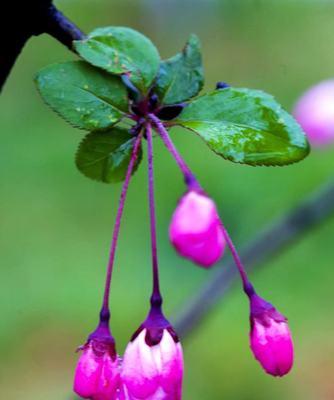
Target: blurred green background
55,225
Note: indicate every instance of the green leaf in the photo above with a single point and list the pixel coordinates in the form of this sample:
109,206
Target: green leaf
85,96
181,77
246,126
105,156
122,51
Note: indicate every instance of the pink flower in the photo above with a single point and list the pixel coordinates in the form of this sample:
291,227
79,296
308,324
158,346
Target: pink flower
195,229
315,113
270,338
152,371
97,372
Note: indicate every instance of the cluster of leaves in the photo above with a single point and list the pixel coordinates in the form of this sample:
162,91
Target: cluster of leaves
121,79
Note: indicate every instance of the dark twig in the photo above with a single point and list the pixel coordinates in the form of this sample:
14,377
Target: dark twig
61,28
27,19
311,212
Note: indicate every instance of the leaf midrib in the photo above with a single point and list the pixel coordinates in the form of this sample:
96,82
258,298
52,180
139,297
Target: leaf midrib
103,100
129,60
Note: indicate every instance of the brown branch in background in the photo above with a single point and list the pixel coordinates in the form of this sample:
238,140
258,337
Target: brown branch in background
310,213
20,20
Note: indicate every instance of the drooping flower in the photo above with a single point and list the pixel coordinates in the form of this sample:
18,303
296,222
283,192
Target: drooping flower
195,229
270,337
97,374
315,113
153,363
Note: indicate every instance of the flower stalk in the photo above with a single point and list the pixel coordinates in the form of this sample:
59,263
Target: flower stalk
156,298
247,285
105,312
189,177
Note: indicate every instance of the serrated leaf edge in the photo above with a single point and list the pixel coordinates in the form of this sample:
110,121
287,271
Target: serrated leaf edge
123,116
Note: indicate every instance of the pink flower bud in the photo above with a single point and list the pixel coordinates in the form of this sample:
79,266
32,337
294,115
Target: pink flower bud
270,338
195,229
315,113
97,372
153,371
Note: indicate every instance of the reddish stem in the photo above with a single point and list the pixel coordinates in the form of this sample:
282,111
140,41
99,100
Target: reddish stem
247,286
105,314
156,298
189,177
